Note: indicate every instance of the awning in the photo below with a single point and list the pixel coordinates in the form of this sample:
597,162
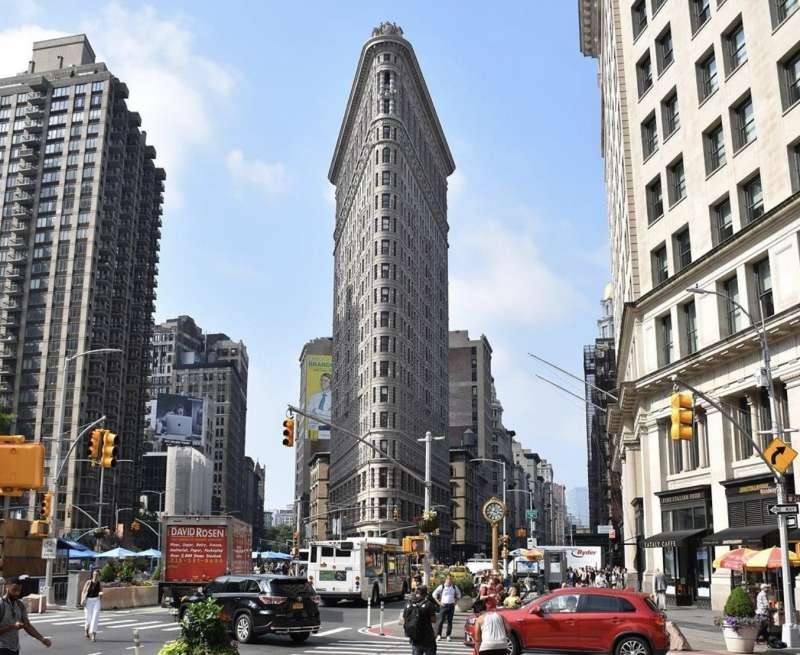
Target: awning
671,539
66,544
752,535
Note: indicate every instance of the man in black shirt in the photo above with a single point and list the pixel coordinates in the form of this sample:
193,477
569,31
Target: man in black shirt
419,615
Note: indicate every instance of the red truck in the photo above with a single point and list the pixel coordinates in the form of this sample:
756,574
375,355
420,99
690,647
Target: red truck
197,549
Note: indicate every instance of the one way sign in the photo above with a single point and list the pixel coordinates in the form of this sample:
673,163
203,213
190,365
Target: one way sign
783,509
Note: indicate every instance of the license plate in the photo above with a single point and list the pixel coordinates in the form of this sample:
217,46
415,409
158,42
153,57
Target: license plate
297,605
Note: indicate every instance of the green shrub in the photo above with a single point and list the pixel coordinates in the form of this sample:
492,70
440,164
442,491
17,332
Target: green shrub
126,573
739,604
203,626
177,647
156,576
466,587
107,573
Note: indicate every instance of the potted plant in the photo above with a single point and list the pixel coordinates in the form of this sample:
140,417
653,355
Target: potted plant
739,623
429,521
467,589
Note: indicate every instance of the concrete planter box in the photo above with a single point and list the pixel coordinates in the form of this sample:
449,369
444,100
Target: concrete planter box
465,603
126,597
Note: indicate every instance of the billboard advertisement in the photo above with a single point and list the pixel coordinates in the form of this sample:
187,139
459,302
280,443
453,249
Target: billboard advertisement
177,419
318,394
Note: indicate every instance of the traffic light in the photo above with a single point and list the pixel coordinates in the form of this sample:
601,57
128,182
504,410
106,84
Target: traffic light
395,513
21,465
95,441
136,526
40,528
108,458
47,506
505,539
288,432
682,416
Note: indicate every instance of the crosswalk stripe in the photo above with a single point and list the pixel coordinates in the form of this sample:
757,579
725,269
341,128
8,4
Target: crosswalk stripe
133,625
177,627
331,632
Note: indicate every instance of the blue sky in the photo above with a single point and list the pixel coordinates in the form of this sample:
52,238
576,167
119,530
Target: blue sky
244,106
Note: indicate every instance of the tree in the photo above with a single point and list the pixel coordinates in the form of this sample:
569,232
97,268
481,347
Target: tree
6,421
276,537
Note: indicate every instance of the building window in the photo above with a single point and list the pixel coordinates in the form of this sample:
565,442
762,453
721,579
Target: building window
707,82
752,199
730,291
690,327
782,9
763,285
743,123
722,221
669,114
644,74
665,340
657,5
714,147
677,182
794,166
639,17
649,136
701,13
658,260
735,48
789,71
655,203
664,53
683,249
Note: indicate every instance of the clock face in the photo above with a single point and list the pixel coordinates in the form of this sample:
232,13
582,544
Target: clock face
494,511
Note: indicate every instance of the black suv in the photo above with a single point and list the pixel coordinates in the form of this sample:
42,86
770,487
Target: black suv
263,604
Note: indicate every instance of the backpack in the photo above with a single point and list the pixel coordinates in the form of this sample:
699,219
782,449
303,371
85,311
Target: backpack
412,621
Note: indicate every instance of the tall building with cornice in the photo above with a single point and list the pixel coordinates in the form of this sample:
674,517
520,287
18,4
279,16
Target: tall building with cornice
390,339
700,136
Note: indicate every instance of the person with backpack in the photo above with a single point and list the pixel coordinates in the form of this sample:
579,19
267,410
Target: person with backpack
14,617
447,595
418,617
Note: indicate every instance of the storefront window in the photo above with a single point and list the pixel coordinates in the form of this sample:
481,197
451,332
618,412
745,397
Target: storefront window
702,572
670,564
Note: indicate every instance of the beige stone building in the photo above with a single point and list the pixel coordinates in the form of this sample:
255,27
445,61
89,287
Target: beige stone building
318,519
700,124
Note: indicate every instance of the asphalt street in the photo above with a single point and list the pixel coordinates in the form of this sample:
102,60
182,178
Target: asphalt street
342,633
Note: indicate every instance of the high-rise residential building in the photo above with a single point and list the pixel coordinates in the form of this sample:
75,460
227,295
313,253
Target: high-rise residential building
253,504
390,169
210,368
700,133
316,395
79,240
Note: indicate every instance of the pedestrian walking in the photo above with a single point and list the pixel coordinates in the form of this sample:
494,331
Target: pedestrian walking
763,613
491,633
418,617
488,593
660,587
14,617
446,595
90,599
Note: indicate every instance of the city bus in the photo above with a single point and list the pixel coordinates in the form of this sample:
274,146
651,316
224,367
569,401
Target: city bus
358,568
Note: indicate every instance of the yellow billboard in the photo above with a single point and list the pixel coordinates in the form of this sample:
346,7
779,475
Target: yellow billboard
319,399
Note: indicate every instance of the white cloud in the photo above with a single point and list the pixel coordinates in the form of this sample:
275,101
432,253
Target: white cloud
175,88
268,177
499,279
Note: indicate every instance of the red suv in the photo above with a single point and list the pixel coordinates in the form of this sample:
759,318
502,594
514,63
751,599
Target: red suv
585,620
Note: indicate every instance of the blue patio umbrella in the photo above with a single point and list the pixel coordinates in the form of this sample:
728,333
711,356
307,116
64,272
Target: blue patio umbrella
117,553
150,552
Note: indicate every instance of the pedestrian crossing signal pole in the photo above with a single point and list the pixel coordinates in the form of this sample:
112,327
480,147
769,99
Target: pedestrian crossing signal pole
427,440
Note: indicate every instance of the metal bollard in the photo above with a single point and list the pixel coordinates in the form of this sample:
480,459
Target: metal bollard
381,624
136,643
369,611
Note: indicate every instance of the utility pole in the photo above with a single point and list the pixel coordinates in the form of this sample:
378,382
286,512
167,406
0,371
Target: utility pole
428,439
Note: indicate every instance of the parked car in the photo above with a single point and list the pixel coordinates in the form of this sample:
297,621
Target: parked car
585,620
263,604
459,573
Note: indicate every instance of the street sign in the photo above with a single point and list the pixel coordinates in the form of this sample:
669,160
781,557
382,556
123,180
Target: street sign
49,548
604,529
531,542
779,454
782,509
531,514
791,522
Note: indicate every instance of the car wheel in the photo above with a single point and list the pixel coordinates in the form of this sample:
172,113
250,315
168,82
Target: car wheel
632,645
243,628
299,637
376,596
512,645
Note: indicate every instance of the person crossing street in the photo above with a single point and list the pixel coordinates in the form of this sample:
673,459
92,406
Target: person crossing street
14,617
90,599
447,595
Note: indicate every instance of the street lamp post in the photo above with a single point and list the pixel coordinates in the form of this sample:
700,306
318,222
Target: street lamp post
428,439
790,632
58,431
160,495
531,525
505,504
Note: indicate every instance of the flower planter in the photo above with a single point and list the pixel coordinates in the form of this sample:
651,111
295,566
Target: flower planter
741,640
465,603
128,597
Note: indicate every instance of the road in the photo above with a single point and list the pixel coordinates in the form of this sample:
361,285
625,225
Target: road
340,634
